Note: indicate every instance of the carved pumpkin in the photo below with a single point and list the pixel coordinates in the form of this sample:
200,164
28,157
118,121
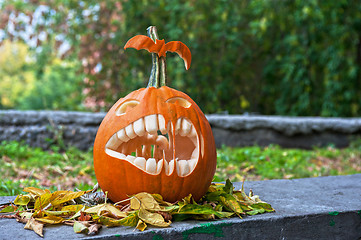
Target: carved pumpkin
157,140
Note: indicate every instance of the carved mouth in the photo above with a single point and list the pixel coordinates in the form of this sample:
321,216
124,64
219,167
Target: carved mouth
150,145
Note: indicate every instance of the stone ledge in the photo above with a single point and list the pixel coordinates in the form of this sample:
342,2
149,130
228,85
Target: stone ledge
287,125
310,208
40,128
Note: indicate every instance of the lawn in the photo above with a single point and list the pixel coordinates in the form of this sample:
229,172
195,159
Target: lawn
23,166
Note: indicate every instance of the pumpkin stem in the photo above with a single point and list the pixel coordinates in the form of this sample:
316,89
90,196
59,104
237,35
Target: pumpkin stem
158,75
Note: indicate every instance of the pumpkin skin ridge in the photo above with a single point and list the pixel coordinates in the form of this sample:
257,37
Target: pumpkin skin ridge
204,169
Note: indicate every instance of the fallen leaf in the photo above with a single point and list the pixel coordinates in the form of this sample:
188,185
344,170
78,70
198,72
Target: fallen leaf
72,208
8,209
79,227
231,203
50,219
141,225
36,191
106,208
56,213
202,209
37,227
42,201
159,199
167,216
8,216
26,215
228,187
78,213
131,220
94,229
65,196
84,217
154,219
144,200
22,200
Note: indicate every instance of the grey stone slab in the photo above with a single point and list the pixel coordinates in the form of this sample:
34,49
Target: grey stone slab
42,128
311,208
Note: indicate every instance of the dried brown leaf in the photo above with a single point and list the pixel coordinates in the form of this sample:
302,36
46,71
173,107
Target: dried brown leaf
167,216
94,229
84,217
37,227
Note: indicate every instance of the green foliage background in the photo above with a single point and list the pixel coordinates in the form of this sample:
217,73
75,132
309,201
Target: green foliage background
285,57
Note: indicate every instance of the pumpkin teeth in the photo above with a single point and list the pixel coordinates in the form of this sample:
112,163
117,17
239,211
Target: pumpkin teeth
151,124
140,162
147,143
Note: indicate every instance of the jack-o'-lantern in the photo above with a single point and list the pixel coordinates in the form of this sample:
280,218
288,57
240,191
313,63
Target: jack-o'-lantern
156,139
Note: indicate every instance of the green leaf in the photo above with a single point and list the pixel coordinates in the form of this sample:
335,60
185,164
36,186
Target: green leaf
231,203
202,209
181,217
131,220
228,187
8,209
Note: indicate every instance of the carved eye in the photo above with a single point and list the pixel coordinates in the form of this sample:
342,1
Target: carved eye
126,106
181,101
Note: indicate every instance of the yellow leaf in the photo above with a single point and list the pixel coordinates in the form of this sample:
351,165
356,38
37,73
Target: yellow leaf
72,208
42,201
56,213
154,219
144,200
131,221
50,219
160,200
106,208
37,227
22,200
115,211
141,225
65,196
36,191
78,213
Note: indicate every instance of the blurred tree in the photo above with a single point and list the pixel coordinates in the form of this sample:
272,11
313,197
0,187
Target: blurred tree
16,77
288,57
59,88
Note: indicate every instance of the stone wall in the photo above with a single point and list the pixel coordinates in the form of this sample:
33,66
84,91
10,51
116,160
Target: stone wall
43,128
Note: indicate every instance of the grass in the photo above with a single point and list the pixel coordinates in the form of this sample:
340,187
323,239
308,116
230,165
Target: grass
23,166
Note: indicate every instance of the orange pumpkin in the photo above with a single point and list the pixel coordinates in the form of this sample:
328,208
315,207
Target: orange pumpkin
155,140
